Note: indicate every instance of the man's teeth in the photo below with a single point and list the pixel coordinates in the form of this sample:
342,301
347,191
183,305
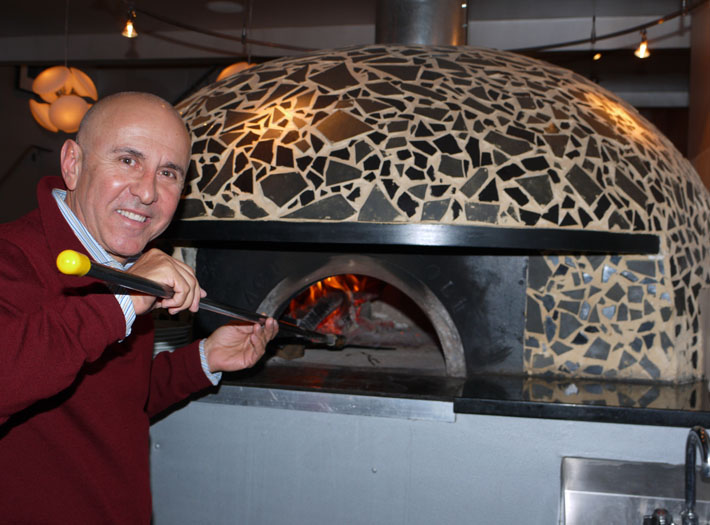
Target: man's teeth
132,216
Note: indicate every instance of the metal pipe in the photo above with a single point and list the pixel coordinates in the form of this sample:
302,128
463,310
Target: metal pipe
697,441
427,22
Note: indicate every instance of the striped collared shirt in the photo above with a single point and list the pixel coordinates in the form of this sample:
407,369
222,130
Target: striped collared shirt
98,254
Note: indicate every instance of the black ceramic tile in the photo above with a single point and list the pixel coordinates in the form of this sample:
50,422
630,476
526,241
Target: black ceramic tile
234,118
341,126
474,183
451,166
510,171
517,195
335,78
631,189
400,72
263,151
482,212
651,369
435,210
584,184
510,146
252,210
560,348
599,349
407,204
568,325
538,187
334,208
489,193
533,317
378,208
282,187
338,173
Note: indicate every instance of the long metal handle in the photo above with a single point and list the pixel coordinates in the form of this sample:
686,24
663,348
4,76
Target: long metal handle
71,262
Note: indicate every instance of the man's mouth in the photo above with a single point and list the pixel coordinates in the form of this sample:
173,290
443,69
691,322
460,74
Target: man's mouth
133,216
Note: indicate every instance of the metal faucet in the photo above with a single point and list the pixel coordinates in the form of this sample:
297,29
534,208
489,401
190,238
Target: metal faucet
697,440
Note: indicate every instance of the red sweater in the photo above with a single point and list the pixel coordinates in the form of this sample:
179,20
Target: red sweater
74,402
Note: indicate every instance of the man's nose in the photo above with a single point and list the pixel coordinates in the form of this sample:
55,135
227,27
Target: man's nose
144,187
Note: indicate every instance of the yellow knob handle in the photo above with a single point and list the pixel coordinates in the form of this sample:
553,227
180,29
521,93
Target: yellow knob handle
70,262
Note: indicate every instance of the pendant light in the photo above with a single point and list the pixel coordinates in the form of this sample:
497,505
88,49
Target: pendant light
642,49
64,91
129,30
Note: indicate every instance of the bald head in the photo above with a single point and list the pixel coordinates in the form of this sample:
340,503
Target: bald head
101,113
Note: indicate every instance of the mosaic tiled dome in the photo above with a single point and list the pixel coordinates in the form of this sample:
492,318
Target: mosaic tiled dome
462,135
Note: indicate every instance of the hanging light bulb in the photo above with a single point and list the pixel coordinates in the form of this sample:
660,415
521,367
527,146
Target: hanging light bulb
129,31
596,55
642,49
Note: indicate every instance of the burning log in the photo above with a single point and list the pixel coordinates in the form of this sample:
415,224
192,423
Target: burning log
324,306
359,308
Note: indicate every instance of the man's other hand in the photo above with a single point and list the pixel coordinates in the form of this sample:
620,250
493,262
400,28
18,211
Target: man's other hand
238,346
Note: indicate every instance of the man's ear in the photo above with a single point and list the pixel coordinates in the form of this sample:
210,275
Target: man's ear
70,161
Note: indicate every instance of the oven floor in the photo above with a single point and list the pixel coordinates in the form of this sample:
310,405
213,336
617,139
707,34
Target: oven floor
426,360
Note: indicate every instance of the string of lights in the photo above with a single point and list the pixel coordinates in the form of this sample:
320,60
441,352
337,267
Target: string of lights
244,39
684,10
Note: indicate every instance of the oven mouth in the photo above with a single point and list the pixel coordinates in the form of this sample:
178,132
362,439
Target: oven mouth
383,328
431,344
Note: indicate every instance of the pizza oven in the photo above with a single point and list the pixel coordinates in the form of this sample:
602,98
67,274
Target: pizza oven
453,210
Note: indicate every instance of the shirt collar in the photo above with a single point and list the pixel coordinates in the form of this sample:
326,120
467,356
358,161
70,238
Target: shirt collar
96,251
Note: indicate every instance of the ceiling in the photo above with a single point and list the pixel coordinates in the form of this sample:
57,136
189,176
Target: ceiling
40,32
47,17
105,16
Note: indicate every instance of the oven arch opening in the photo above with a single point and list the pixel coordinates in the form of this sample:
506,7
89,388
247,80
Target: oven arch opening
418,293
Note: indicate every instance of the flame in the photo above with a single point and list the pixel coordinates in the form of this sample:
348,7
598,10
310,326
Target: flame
350,284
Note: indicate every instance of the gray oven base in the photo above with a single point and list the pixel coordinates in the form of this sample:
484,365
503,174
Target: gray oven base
226,462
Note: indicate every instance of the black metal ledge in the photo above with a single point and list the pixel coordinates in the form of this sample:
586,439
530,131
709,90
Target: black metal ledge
574,412
658,404
655,404
412,235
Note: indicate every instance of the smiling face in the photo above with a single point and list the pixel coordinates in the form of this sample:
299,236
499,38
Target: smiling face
126,172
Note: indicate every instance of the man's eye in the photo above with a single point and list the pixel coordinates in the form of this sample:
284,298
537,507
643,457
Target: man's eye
128,161
169,174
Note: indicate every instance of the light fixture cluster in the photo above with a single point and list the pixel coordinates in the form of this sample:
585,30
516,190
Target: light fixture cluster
63,89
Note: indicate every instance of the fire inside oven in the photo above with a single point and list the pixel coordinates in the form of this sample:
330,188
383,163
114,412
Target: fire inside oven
382,326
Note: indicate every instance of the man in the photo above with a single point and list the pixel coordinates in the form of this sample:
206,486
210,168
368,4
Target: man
78,382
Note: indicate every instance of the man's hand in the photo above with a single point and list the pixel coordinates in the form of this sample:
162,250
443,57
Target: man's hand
237,346
160,267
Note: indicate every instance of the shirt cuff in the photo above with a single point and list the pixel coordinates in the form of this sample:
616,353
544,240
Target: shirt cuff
215,377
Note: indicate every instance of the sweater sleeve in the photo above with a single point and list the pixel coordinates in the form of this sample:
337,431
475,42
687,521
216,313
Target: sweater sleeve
48,335
174,376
